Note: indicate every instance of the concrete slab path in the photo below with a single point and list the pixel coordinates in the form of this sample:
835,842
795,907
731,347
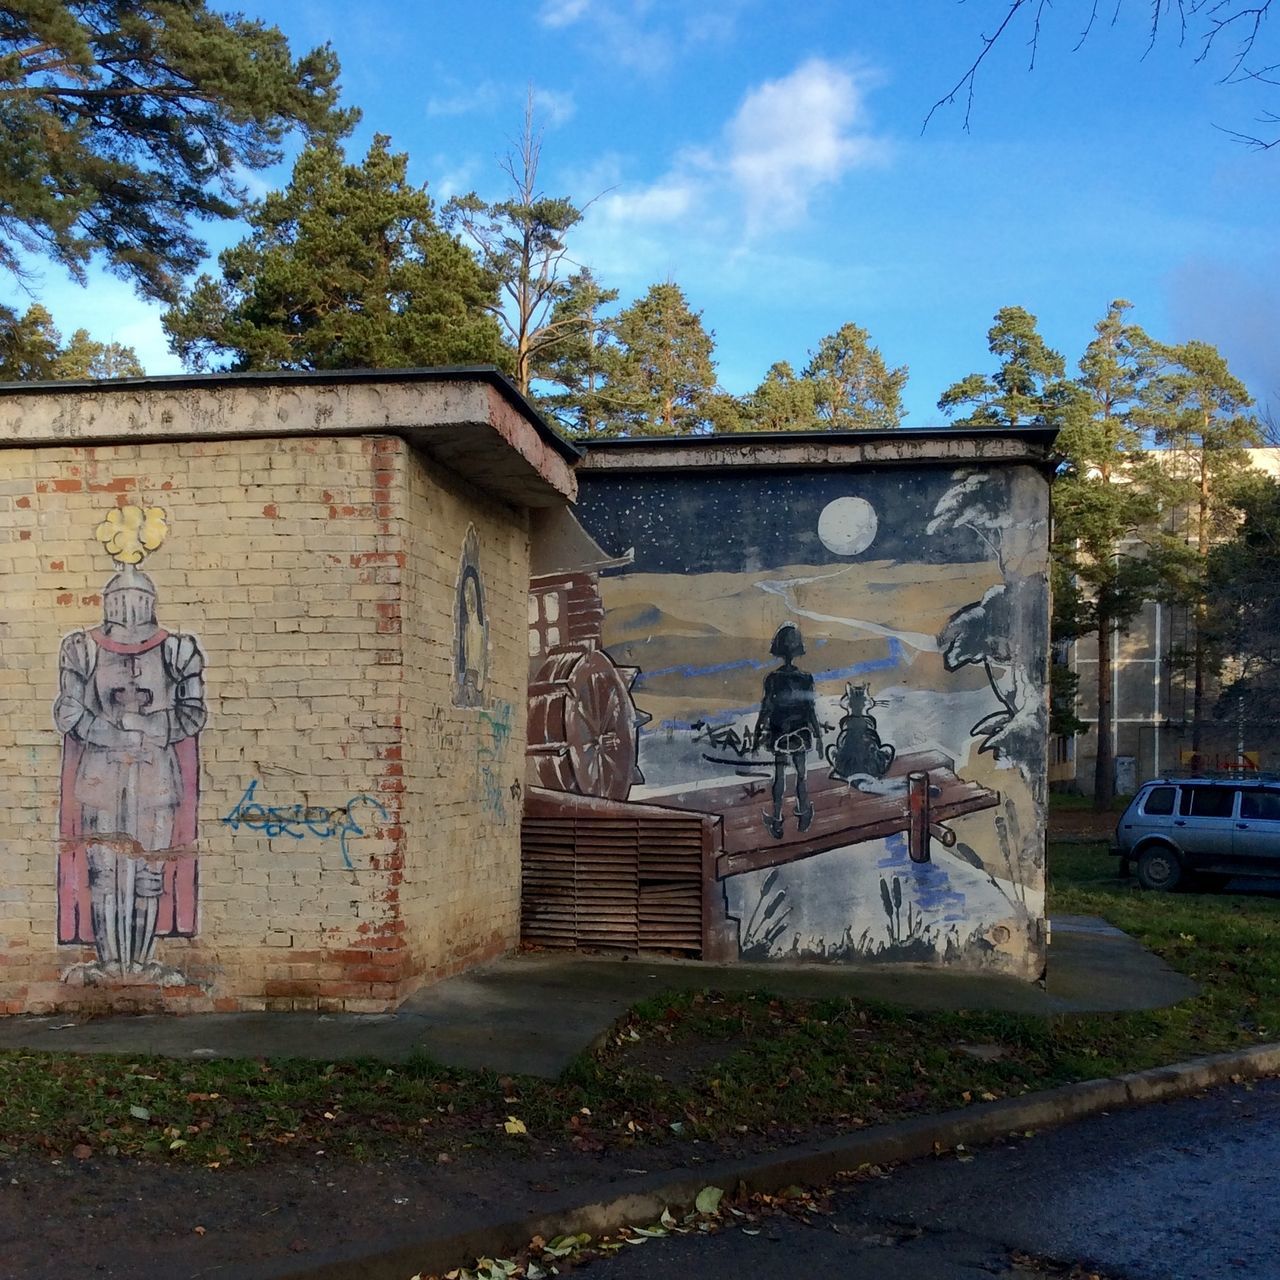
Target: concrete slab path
532,1014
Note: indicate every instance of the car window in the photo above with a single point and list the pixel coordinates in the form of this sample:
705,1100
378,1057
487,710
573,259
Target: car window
1207,802
1262,805
1159,800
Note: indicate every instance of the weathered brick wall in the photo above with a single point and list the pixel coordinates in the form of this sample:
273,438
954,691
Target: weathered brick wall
463,764
286,560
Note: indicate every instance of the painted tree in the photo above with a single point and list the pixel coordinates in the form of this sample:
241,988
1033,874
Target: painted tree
124,120
521,242
1199,413
853,387
999,631
32,350
345,268
1109,550
666,375
582,364
1027,389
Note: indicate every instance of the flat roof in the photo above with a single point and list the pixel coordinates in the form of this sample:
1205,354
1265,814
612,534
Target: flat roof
470,417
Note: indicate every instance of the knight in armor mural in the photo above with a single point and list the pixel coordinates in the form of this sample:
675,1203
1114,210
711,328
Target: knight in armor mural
130,707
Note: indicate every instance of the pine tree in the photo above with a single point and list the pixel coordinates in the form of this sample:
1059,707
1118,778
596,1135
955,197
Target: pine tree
1198,411
784,401
1109,552
32,350
1026,390
123,120
1242,607
854,390
583,362
521,241
346,268
666,376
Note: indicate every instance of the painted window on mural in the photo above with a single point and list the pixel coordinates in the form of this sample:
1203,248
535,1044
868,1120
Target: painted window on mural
548,616
130,708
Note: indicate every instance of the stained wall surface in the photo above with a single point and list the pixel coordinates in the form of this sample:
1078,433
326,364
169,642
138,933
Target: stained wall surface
466,584
809,639
211,655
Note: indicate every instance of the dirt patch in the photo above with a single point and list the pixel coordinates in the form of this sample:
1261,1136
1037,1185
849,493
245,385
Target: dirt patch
681,1062
1082,824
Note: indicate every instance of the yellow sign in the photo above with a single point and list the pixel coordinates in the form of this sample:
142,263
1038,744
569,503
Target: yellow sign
1234,762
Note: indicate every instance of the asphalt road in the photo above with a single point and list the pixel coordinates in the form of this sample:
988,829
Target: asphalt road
1185,1190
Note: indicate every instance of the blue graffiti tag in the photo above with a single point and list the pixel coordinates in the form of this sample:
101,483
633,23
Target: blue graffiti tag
297,821
490,756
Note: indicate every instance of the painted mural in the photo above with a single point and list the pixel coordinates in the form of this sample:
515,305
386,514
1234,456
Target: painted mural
847,674
130,708
471,628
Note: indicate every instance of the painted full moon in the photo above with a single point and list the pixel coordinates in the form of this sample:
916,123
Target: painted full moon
847,526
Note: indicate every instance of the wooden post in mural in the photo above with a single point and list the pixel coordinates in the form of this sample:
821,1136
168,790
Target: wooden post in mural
918,816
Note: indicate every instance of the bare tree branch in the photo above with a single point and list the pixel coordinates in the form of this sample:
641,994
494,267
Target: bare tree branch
988,43
1212,21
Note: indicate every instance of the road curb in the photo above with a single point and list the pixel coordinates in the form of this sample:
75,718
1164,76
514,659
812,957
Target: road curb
813,1163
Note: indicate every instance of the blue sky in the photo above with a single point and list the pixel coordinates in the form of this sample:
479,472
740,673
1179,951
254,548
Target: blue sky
769,158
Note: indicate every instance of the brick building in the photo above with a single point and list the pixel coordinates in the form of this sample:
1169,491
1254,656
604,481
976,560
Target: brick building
287,662
328,788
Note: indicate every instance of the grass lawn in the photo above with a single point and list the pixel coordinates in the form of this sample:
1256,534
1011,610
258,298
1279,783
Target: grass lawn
718,1069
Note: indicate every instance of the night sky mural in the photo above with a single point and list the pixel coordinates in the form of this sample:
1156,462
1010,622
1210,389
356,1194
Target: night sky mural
848,669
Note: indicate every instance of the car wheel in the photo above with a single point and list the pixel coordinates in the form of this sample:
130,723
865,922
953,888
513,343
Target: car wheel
1159,868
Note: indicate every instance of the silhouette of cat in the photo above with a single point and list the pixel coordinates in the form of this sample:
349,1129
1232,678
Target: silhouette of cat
857,748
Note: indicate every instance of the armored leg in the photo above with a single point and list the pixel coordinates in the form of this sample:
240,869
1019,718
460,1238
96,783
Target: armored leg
104,904
148,884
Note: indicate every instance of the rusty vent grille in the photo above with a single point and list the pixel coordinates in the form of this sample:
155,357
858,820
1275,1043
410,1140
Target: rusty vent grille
632,882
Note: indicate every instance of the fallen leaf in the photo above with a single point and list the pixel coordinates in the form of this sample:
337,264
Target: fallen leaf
140,1113
515,1127
708,1200
82,1151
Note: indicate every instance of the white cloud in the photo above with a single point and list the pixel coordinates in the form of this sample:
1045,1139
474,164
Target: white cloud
645,36
465,99
562,13
665,201
794,135
788,139
553,107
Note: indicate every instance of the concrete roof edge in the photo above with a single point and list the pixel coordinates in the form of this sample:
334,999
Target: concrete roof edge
489,374
1028,446
1029,435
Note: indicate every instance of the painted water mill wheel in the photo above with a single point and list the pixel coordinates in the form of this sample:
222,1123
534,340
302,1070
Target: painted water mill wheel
583,725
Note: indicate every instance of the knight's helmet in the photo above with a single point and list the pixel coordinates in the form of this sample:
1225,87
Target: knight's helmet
129,598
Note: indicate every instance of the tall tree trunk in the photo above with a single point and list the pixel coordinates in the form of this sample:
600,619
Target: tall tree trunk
1198,654
1104,772
1197,697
